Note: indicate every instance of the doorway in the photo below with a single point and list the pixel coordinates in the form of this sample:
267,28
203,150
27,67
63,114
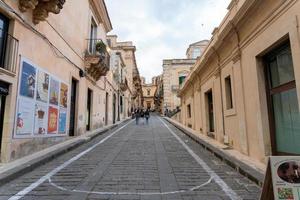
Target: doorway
283,105
114,108
210,112
73,107
4,90
106,108
89,109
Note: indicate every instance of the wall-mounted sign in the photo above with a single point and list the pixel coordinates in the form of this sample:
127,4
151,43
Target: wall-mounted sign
42,103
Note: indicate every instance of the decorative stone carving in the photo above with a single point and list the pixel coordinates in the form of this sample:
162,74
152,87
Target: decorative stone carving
24,5
97,65
41,8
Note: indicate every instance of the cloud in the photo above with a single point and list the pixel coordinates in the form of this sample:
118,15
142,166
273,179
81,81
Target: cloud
163,29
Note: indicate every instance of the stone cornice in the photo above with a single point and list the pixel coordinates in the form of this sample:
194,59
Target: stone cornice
101,13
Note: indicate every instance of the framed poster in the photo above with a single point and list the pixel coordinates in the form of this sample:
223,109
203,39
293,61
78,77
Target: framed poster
54,92
63,95
28,78
42,86
286,177
52,120
62,121
41,116
25,115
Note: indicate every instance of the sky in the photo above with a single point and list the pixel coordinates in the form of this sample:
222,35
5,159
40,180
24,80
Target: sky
163,29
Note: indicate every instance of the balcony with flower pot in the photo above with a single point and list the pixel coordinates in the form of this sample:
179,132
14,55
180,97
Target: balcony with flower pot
97,59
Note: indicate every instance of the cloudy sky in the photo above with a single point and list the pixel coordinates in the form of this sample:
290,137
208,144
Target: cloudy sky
163,29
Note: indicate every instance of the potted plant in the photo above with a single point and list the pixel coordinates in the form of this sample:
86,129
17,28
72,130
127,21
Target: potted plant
100,47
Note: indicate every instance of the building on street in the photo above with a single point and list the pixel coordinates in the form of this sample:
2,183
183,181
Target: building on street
175,71
130,73
55,84
244,89
149,94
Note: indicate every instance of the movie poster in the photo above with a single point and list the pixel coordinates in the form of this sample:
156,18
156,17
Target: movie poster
62,121
25,114
42,86
28,78
52,120
54,92
286,177
41,122
63,95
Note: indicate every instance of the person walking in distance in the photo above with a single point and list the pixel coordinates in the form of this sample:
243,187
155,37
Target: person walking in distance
147,116
137,116
142,114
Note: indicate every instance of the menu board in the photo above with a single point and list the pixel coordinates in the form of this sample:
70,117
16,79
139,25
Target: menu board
285,177
43,104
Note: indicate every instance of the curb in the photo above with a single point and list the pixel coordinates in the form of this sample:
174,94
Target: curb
33,164
248,171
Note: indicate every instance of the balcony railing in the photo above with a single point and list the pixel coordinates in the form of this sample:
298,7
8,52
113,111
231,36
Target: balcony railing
97,59
9,47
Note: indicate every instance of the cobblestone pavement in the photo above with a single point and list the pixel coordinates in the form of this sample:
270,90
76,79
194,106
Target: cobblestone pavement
147,162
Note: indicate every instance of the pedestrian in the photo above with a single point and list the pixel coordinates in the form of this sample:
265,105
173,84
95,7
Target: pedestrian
147,115
137,116
142,114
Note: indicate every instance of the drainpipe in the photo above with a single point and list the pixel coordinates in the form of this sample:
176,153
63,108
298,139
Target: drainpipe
221,85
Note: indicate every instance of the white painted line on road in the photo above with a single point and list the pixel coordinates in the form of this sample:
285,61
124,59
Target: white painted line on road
34,185
132,193
229,192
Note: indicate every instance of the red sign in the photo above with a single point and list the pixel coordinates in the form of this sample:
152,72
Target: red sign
52,120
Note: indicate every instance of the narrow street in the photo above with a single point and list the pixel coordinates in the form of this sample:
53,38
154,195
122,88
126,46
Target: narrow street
154,161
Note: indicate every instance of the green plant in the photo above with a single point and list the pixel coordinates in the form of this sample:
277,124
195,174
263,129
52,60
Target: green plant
100,47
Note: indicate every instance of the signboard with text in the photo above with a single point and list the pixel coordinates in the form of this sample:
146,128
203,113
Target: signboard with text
285,172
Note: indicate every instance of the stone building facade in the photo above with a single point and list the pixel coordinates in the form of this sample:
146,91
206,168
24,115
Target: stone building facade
244,91
130,73
175,71
55,77
149,95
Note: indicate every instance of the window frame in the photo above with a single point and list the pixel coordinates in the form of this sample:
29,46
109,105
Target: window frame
228,73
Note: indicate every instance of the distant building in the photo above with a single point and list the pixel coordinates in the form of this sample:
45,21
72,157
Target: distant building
148,95
176,70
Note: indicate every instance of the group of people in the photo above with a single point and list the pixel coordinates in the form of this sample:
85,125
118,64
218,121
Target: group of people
141,113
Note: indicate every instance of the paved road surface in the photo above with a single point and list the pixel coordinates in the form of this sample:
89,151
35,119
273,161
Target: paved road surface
147,162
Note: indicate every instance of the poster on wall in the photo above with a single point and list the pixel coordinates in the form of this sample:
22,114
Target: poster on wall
42,107
25,114
63,95
41,114
286,177
54,92
28,78
62,121
42,86
52,120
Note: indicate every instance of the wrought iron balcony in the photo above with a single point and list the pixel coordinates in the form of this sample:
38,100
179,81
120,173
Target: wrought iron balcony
9,52
97,59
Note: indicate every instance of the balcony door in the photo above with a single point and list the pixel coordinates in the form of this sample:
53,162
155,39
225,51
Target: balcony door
283,102
93,37
4,21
